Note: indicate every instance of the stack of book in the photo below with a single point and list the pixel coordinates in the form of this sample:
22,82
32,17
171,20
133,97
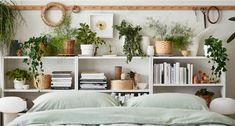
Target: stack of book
61,80
93,81
166,73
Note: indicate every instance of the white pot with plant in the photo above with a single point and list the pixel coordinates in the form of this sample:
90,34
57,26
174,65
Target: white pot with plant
89,42
163,46
19,76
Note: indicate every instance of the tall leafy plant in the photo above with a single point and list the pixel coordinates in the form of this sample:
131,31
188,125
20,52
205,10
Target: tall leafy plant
217,55
8,16
233,35
35,48
133,38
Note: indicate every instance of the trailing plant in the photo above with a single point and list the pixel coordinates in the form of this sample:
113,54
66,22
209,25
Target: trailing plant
133,38
35,47
18,74
204,92
58,35
84,35
8,17
233,35
217,55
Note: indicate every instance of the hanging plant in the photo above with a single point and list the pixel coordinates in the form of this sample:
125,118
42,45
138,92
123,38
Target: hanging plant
35,47
133,38
8,16
218,56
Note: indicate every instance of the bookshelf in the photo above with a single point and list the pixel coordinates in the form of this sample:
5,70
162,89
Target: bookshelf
141,65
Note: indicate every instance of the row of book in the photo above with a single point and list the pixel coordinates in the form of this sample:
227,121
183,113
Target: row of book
61,80
167,73
93,81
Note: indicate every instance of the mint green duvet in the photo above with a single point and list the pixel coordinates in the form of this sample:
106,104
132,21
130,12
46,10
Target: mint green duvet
122,116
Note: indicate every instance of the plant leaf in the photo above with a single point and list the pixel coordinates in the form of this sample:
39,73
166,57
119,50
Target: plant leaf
231,38
232,19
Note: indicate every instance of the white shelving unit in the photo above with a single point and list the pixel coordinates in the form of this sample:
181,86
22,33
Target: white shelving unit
141,65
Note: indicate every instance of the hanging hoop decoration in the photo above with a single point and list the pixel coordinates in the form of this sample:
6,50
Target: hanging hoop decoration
44,16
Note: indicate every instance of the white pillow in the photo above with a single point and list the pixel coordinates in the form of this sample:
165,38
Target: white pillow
169,100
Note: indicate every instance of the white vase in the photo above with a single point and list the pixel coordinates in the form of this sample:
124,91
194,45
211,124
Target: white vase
194,46
87,49
19,84
150,51
145,43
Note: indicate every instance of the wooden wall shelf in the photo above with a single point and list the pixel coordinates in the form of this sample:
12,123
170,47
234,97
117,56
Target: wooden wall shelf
92,7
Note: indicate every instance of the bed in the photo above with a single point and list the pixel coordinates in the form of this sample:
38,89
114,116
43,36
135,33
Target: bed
102,110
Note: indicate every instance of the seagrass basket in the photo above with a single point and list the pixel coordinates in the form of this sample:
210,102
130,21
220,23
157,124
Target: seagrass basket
42,81
163,48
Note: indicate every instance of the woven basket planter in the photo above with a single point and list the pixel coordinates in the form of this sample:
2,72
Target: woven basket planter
163,48
43,81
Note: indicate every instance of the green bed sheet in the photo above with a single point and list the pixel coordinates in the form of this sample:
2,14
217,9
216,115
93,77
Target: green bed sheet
122,115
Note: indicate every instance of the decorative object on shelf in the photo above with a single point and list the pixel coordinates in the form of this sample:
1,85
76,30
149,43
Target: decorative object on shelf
201,78
35,48
102,24
10,106
186,52
87,40
44,15
42,81
218,56
69,47
207,95
26,87
233,35
76,9
14,47
150,51
19,76
124,76
19,52
224,106
8,19
121,84
118,72
145,43
132,46
142,85
206,15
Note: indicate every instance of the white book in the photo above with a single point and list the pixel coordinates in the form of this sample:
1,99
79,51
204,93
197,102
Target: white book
172,75
191,74
165,73
177,71
181,77
185,76
92,74
156,73
59,83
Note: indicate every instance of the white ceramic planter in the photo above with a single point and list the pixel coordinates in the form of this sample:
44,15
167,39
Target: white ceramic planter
87,50
194,46
206,47
145,43
19,84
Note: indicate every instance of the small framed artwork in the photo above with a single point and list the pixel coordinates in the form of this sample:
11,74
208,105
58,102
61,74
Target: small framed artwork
102,24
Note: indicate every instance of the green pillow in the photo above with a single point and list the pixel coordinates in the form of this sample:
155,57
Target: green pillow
68,100
169,100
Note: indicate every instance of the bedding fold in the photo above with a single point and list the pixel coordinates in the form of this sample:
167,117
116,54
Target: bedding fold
122,115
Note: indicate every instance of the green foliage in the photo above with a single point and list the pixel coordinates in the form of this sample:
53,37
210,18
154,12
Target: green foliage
218,55
204,92
18,74
58,35
133,38
84,35
233,35
34,48
8,18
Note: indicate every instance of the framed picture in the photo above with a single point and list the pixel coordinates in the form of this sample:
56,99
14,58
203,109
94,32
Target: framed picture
102,24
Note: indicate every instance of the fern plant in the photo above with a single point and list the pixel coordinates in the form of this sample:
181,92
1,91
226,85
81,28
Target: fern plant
133,38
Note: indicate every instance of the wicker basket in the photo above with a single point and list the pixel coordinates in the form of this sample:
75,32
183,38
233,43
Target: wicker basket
163,48
69,47
43,81
121,84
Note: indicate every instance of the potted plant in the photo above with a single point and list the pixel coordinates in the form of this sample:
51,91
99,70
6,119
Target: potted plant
19,76
87,40
233,35
62,39
180,36
8,16
132,38
163,46
207,95
217,55
35,48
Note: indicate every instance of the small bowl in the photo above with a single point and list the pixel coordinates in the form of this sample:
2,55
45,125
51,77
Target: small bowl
142,85
25,87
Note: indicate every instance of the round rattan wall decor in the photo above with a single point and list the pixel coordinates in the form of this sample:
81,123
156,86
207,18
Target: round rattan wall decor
44,16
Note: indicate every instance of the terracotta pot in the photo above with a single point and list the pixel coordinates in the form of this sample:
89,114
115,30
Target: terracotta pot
163,48
42,81
69,46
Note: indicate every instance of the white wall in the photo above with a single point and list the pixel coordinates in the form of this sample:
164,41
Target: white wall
34,25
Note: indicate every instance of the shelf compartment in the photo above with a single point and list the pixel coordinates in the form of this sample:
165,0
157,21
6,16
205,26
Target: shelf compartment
188,85
34,90
107,57
120,91
182,57
46,57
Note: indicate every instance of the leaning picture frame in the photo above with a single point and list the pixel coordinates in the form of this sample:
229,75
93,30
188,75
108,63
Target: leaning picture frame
102,24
